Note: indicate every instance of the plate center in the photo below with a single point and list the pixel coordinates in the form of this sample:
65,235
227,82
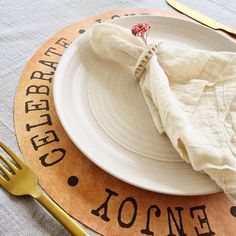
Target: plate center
116,108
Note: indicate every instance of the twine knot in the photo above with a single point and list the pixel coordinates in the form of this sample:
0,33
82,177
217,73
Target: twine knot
144,59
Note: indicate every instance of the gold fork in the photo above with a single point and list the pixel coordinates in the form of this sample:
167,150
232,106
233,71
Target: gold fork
23,181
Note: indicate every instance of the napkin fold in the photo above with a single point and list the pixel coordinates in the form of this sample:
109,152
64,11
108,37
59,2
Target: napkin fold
191,95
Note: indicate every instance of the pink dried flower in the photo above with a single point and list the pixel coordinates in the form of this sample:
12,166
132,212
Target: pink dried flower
141,30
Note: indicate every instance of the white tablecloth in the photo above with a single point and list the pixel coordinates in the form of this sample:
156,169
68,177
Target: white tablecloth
24,26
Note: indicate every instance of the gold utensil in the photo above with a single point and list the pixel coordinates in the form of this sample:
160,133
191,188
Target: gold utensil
21,180
200,18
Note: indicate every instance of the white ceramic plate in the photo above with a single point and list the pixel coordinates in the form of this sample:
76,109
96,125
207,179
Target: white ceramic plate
101,107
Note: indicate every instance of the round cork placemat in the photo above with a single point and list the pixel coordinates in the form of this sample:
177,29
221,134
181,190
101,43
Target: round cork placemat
92,196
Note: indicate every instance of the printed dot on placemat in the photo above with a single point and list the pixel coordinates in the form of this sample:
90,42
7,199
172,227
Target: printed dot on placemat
233,211
98,20
81,31
73,181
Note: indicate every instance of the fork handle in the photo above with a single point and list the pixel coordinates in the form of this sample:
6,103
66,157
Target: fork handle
61,215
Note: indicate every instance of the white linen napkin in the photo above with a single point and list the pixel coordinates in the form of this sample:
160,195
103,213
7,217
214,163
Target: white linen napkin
191,95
